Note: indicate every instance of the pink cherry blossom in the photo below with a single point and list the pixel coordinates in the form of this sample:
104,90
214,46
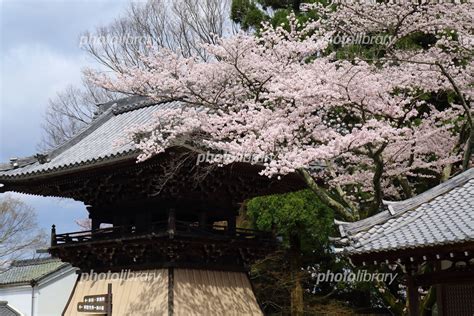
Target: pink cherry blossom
284,94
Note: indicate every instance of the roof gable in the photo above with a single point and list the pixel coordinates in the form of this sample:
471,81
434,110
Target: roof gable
32,270
6,310
100,141
443,215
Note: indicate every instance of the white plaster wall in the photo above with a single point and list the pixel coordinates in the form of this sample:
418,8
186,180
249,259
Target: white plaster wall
18,297
52,295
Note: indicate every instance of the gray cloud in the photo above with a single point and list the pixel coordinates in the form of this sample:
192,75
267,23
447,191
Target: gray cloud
40,55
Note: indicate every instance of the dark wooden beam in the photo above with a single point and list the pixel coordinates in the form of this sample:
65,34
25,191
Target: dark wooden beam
444,277
459,251
113,184
170,291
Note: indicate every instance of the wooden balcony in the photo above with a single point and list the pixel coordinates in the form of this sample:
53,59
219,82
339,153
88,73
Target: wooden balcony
165,243
159,229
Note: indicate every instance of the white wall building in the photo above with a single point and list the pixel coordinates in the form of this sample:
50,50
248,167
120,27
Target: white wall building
37,287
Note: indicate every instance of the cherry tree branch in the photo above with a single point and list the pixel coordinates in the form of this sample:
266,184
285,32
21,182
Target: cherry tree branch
325,198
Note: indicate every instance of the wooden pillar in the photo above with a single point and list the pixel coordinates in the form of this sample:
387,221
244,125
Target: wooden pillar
439,299
109,299
412,288
231,224
95,223
203,219
53,235
439,291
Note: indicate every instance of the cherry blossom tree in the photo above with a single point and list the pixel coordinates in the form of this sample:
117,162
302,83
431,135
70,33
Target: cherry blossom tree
381,118
377,123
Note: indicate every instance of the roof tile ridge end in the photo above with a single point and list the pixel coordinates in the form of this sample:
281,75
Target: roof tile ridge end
352,228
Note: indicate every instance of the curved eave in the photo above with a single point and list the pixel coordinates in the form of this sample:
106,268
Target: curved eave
67,169
93,146
414,253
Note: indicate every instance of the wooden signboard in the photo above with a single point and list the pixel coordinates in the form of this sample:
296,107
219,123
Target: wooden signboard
97,304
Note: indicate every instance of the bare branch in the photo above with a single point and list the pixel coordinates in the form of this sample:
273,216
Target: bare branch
70,111
19,231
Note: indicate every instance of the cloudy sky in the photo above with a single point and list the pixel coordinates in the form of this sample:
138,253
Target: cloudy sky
39,56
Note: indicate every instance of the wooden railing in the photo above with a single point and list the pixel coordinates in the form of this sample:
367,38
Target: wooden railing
161,228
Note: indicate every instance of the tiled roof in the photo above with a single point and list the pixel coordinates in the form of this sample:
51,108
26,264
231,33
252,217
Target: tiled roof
25,271
100,142
6,310
440,216
97,143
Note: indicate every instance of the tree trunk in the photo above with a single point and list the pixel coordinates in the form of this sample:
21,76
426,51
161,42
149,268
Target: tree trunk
377,181
468,112
297,302
395,305
446,173
342,211
469,150
428,302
